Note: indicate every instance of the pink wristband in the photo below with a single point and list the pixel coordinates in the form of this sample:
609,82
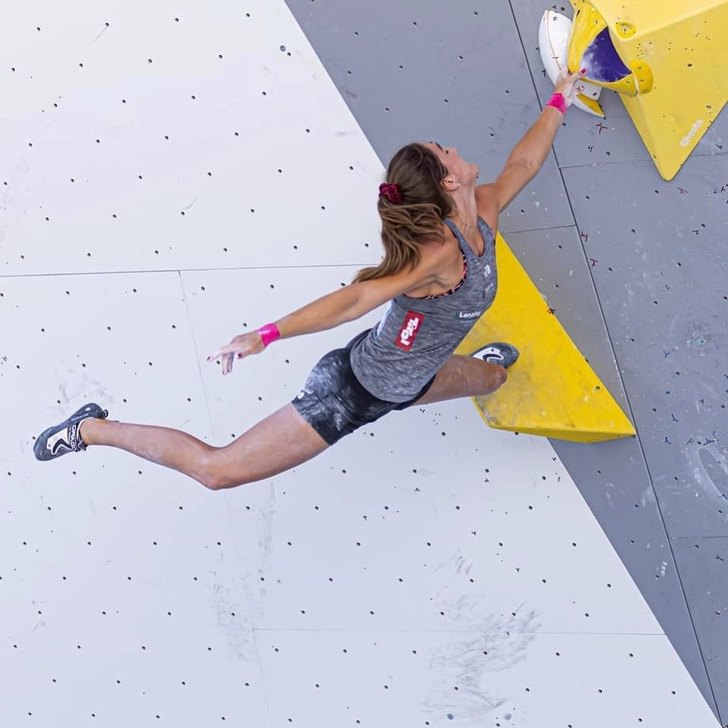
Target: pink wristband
558,102
269,333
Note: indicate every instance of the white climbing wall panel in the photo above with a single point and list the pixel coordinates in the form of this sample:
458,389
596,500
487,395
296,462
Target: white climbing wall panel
156,121
173,173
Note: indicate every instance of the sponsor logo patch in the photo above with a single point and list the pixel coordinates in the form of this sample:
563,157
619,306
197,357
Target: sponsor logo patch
694,129
410,328
467,315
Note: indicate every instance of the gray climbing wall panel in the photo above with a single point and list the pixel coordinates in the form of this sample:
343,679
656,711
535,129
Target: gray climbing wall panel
635,267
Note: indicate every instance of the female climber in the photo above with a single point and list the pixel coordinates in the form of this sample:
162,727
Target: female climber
438,274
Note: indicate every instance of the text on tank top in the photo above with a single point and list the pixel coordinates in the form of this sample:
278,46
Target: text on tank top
416,336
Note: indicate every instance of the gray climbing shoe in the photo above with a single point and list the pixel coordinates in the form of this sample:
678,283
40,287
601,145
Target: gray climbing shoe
505,355
61,439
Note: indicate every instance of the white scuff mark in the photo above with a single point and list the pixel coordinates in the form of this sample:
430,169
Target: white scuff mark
709,465
648,496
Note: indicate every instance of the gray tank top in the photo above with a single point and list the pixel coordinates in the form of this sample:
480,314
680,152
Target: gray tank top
417,335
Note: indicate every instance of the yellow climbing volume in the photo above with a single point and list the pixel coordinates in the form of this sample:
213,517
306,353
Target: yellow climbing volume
668,61
551,390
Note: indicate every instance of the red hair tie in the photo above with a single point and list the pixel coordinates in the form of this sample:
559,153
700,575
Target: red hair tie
391,192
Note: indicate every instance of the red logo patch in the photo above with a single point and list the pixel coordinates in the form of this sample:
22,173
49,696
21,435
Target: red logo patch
410,328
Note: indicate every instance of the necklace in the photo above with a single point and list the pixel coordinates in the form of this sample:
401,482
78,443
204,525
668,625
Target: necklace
465,225
471,234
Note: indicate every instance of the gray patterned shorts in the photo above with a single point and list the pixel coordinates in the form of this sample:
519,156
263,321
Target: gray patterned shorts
333,401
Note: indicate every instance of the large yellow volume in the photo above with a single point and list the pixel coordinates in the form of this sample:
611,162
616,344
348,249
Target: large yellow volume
668,61
551,390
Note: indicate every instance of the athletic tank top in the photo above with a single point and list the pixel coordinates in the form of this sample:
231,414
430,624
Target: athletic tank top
417,335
